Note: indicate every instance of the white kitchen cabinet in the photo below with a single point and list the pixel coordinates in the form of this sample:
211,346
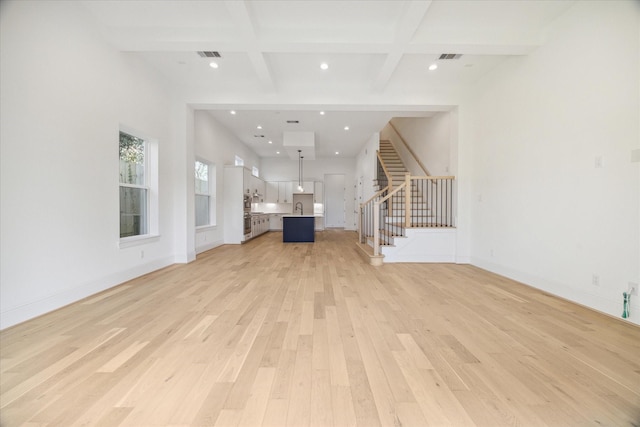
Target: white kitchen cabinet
259,224
318,192
278,192
284,192
271,195
246,180
275,222
236,183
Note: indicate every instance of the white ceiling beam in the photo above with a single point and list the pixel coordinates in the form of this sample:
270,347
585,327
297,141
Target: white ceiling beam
475,47
407,25
239,10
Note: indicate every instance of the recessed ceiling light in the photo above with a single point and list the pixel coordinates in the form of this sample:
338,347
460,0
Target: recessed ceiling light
259,127
433,67
337,152
232,111
346,128
270,142
213,64
324,66
322,113
277,152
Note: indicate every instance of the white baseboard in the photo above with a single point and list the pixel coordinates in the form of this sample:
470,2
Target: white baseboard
33,309
185,258
603,304
209,246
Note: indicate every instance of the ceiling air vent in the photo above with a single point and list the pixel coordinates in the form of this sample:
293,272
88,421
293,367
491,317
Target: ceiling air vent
293,121
209,54
450,56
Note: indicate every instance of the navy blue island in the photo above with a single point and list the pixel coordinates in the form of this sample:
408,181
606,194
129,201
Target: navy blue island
298,228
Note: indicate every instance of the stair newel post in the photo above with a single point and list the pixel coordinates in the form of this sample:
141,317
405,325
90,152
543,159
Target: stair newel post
376,228
360,225
407,200
390,201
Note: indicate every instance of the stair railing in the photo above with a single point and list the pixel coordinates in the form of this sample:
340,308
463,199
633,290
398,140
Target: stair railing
367,215
428,203
389,228
384,168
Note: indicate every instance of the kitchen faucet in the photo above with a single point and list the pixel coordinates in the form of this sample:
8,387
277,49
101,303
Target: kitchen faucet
299,208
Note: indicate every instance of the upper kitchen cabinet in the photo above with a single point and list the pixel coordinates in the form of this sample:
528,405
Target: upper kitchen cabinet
246,173
278,192
271,194
284,192
318,192
237,181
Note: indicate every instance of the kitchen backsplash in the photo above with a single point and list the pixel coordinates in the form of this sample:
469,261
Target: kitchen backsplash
284,208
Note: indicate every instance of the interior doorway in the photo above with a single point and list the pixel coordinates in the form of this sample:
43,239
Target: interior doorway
334,194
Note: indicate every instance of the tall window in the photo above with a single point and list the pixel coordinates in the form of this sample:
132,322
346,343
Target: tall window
134,190
203,195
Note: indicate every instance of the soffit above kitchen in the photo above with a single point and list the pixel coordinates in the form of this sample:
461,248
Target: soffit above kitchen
378,55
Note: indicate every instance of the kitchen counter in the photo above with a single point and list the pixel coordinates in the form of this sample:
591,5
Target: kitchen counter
298,228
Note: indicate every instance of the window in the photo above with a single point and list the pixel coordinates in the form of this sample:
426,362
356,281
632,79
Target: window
255,171
203,198
134,190
239,161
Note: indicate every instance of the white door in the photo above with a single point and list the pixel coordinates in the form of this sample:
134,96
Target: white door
334,201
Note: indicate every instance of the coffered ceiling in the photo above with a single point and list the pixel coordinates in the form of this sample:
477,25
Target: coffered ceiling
378,55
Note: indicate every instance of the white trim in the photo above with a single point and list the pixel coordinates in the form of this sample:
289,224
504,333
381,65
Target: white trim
185,258
209,246
58,300
604,304
128,242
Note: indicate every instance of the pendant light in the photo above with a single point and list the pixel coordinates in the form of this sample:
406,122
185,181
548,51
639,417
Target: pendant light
300,189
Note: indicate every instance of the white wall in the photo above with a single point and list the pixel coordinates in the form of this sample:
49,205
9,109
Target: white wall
366,163
430,140
214,143
65,94
286,169
541,211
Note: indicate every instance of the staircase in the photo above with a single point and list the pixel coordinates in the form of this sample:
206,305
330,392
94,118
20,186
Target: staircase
387,230
393,213
393,163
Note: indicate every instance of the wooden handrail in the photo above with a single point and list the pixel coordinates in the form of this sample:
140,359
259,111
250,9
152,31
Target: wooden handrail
374,196
385,198
409,149
433,178
384,168
443,215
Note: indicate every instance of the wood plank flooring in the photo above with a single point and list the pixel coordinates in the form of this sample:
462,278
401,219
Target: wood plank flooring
273,334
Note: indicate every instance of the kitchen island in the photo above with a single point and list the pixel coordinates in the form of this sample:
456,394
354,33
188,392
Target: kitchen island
298,228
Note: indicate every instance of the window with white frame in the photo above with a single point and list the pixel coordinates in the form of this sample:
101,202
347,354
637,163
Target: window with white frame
203,194
134,189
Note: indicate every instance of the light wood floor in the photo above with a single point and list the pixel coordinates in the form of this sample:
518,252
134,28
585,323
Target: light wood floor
277,334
